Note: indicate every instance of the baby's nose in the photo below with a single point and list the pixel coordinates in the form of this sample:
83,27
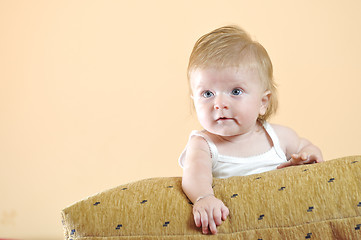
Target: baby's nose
220,103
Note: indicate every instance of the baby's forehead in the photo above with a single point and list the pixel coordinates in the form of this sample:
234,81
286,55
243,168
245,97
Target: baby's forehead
223,77
241,73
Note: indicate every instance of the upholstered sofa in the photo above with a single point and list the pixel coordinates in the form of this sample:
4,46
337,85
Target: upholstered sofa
318,201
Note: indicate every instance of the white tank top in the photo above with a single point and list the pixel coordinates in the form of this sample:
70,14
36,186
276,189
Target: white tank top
228,166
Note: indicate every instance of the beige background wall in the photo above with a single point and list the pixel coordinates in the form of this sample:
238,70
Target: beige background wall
93,94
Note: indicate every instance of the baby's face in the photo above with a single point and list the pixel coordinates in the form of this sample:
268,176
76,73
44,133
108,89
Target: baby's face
228,101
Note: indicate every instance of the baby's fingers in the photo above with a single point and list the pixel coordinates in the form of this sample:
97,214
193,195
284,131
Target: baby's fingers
298,159
304,156
225,213
201,220
285,164
217,216
197,218
212,224
313,158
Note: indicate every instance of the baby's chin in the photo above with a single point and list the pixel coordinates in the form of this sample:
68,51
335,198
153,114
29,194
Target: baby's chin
223,132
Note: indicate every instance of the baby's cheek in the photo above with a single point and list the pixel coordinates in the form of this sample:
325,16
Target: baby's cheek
201,112
203,120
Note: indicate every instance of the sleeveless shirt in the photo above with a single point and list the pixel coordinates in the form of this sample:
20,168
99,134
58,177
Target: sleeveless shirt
227,166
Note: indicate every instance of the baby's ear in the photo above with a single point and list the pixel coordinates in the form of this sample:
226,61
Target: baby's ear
264,102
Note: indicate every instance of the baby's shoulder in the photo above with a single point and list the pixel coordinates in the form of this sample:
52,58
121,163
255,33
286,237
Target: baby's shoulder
197,151
289,140
285,134
198,141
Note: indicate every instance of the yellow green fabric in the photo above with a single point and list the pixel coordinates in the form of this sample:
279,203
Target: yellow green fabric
318,201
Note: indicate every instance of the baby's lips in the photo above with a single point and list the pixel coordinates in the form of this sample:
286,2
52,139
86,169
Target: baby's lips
222,118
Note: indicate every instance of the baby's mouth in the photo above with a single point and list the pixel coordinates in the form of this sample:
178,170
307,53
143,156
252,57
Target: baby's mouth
221,119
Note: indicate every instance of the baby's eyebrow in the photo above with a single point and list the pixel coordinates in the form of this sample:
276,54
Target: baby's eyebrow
241,84
200,88
196,86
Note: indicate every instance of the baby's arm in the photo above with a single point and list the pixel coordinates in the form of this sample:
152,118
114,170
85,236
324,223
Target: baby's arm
208,211
298,150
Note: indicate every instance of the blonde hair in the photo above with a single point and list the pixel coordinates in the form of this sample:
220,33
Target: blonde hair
231,46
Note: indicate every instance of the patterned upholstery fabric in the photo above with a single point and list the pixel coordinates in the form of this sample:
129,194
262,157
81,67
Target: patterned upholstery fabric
318,201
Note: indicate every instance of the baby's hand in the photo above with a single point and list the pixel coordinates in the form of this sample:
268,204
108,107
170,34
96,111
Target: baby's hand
301,158
208,213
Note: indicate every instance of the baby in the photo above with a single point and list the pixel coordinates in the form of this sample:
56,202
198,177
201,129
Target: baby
232,87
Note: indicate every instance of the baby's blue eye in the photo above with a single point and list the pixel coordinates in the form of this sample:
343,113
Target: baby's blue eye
237,91
207,94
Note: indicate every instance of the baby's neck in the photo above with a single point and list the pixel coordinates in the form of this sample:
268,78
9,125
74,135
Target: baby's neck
253,142
240,138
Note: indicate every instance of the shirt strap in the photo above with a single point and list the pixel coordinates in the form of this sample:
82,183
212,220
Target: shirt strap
276,142
212,147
